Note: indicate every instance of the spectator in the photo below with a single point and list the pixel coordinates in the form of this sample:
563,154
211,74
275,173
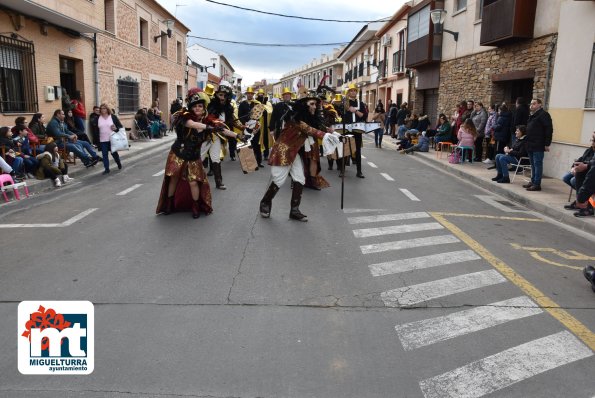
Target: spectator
11,156
79,113
489,132
480,118
58,130
585,192
502,128
392,120
402,114
69,119
93,125
21,141
37,126
142,121
539,138
466,136
443,130
379,107
521,114
52,166
423,145
511,155
576,176
108,123
404,142
423,124
67,104
412,122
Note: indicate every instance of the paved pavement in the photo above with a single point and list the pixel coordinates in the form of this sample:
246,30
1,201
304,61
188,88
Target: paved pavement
549,202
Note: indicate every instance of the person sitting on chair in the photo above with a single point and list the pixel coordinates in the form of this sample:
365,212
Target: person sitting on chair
511,155
576,176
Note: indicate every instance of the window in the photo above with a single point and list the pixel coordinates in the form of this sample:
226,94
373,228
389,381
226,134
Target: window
18,87
460,4
590,98
128,94
179,52
143,29
478,10
110,19
419,24
330,77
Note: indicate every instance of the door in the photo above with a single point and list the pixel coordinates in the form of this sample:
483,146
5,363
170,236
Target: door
430,107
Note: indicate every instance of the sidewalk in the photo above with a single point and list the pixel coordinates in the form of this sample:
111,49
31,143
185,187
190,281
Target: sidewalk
549,201
138,149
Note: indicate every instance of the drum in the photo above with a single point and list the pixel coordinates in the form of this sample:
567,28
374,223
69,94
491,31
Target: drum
370,127
348,149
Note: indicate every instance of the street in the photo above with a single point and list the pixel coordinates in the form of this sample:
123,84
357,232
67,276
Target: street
422,286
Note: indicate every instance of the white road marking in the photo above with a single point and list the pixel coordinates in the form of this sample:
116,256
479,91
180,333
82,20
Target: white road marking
78,217
66,223
387,177
363,157
396,229
409,194
492,202
372,165
132,188
388,217
433,260
361,210
507,367
408,243
410,295
429,331
159,173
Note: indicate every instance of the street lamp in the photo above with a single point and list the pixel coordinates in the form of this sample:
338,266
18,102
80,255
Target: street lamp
206,68
169,23
437,17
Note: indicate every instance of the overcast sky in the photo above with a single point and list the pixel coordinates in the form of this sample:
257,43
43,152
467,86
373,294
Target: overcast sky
255,63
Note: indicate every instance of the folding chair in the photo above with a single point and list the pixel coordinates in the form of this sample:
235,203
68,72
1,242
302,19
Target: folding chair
523,164
141,133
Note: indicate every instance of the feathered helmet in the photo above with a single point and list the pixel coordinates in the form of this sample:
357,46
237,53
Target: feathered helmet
310,95
196,96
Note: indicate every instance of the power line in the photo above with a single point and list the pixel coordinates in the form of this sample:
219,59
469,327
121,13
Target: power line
295,16
244,43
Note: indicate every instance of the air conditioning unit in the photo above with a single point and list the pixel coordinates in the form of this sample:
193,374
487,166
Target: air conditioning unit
386,40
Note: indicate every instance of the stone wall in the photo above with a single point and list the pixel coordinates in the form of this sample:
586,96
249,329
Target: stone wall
471,77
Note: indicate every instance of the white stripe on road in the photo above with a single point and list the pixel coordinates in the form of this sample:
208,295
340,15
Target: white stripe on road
507,367
363,157
159,173
387,217
409,194
410,295
387,177
396,229
361,210
433,260
429,331
372,165
408,243
66,223
78,217
132,188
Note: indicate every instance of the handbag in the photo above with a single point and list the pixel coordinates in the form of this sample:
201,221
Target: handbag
118,141
454,157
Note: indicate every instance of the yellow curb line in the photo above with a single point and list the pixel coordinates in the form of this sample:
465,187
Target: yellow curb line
547,304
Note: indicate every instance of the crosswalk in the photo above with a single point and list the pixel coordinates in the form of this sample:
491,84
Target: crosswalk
484,376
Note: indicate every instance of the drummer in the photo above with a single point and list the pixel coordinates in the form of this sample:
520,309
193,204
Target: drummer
355,112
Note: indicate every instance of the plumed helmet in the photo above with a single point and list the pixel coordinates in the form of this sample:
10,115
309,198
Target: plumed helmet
195,96
210,89
224,87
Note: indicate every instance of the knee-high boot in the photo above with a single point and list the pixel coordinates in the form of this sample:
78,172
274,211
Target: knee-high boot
210,163
267,200
296,198
330,163
216,167
340,167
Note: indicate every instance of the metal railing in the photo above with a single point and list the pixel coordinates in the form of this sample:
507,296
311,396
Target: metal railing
18,84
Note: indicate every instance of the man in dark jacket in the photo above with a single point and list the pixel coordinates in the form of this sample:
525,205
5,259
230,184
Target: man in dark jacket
576,176
539,138
520,116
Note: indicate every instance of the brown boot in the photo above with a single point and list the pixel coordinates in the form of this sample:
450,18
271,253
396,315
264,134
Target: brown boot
216,167
267,200
296,198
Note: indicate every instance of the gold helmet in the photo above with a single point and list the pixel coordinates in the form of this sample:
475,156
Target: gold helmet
286,90
249,90
260,91
338,98
352,86
209,90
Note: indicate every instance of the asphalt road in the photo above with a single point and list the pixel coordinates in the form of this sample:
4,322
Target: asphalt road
422,286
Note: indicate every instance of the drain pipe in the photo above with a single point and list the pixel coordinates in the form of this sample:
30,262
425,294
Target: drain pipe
546,92
96,69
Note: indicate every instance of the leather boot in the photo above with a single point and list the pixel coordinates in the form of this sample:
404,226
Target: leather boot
296,198
589,273
195,209
330,163
216,167
267,200
498,177
340,167
169,205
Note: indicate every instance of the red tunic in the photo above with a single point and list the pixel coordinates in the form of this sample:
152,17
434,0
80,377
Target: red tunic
290,141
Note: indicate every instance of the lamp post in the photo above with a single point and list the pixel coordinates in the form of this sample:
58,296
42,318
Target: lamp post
206,68
169,23
437,17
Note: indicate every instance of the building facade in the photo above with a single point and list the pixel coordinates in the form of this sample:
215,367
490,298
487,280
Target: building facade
309,76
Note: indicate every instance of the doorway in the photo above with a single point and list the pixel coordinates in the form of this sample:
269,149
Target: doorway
67,75
508,91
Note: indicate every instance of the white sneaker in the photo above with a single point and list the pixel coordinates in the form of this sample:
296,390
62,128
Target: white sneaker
66,178
488,161
57,183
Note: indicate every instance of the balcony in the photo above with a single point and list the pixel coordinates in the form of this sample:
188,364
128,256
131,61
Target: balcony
381,70
507,21
399,62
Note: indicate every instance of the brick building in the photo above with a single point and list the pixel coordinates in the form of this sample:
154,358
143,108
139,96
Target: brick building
127,53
